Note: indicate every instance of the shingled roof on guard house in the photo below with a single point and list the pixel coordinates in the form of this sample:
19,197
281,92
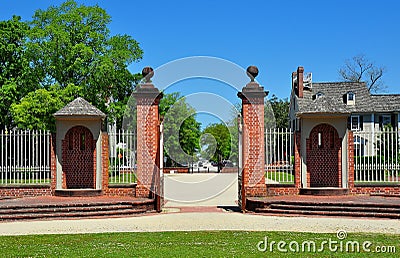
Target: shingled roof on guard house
80,107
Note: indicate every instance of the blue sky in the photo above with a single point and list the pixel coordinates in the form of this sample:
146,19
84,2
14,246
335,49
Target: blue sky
277,36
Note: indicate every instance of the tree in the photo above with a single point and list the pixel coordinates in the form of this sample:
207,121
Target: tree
360,69
222,136
36,109
280,109
181,130
71,44
14,67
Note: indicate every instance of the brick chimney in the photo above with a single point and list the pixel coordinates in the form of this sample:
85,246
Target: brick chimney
300,79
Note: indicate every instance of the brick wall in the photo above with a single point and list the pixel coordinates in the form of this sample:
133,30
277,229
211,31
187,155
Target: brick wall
274,190
25,191
168,170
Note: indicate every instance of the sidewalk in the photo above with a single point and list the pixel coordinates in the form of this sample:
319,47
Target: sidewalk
214,219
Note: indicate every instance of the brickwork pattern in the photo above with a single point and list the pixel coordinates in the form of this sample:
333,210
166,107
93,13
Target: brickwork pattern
104,161
253,148
147,145
350,159
25,191
324,162
367,190
79,158
297,159
53,163
120,191
282,190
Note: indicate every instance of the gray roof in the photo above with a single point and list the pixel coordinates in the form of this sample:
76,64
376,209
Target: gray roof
332,99
80,107
386,103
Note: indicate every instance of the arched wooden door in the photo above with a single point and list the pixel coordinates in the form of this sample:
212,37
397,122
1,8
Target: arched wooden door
78,158
324,157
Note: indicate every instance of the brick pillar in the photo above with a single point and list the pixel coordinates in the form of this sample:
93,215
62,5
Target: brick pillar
253,150
53,163
147,100
350,159
104,162
297,159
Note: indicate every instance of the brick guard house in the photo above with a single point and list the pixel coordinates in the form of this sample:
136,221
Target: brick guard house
325,118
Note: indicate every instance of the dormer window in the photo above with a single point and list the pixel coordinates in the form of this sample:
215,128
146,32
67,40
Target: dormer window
318,95
351,98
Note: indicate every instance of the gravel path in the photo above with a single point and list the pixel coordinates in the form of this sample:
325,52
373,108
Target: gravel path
194,221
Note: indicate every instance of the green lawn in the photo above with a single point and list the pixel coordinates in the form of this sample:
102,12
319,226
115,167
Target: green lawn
123,178
280,177
182,244
25,181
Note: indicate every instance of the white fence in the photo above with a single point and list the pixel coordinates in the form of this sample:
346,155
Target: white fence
122,166
24,157
279,156
377,156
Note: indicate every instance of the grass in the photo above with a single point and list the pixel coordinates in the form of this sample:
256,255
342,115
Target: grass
181,244
281,177
375,183
24,181
122,178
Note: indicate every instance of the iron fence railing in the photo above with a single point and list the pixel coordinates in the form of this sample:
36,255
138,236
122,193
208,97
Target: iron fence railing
24,157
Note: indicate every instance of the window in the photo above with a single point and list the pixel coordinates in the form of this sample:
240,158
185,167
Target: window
318,95
355,123
320,140
350,96
386,120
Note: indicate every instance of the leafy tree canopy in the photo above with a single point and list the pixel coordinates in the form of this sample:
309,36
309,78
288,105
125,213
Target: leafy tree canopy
66,45
35,111
181,130
14,66
280,109
221,136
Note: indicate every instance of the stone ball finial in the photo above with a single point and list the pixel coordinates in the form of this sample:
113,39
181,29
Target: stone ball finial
252,72
147,73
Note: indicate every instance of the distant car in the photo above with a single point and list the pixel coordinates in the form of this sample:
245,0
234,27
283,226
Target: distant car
227,163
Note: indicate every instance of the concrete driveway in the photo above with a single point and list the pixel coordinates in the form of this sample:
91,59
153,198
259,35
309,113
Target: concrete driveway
203,189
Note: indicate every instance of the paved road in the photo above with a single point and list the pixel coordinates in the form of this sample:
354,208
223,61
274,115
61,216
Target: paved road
204,189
